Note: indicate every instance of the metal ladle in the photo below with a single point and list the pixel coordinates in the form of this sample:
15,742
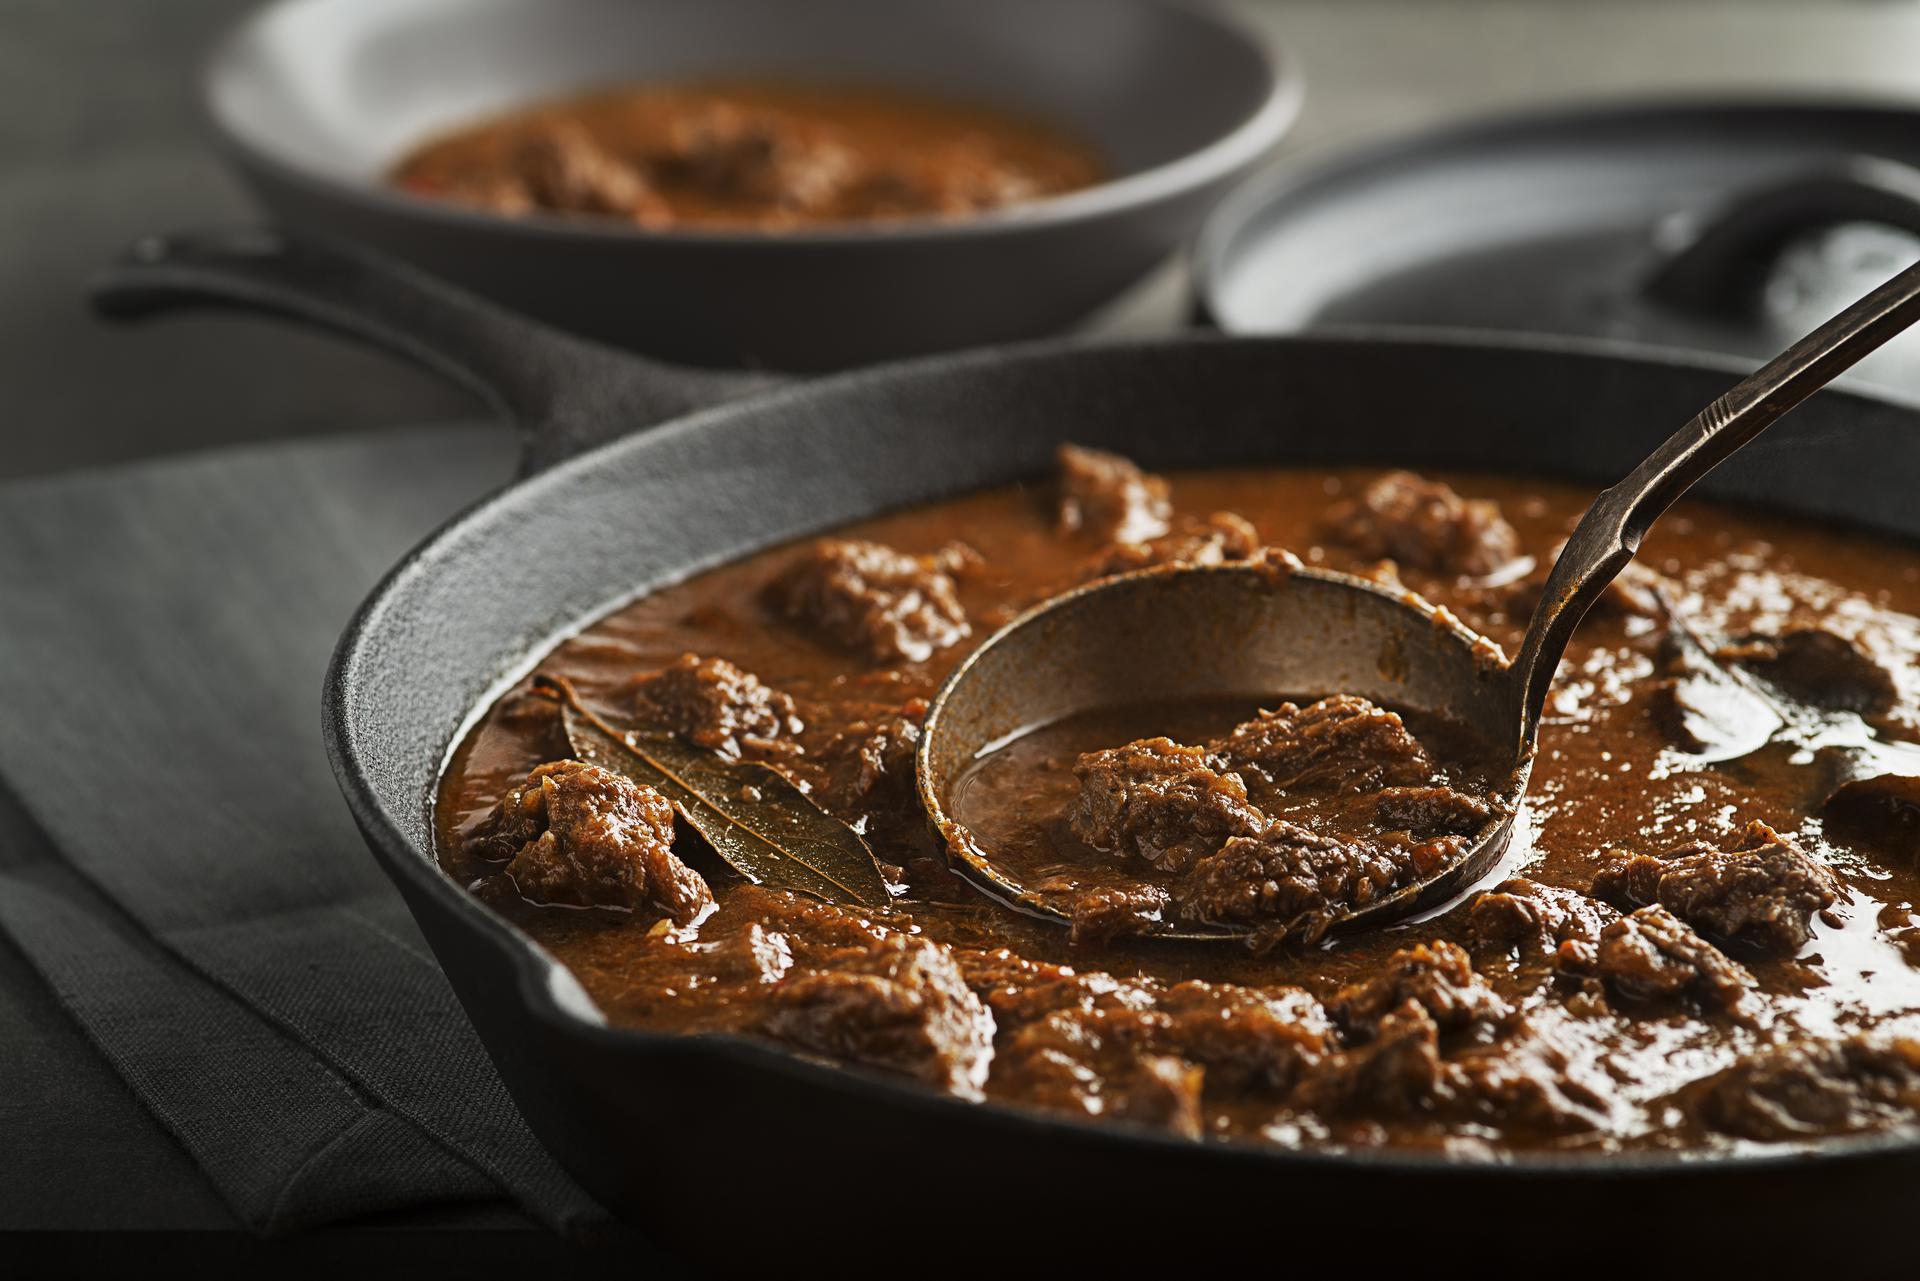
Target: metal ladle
1195,632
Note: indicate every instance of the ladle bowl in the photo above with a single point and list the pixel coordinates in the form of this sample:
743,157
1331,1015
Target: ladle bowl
1272,628
1247,631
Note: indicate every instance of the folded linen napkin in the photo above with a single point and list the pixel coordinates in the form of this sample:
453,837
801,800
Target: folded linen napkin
175,859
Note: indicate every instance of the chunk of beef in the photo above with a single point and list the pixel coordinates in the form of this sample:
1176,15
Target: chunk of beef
1653,955
1881,813
1020,990
1528,1082
1804,1089
1246,1038
1423,524
1534,919
1342,743
727,153
1761,890
886,754
562,168
747,958
900,1004
1396,1072
1293,882
1081,1038
1220,538
713,704
1099,1062
815,929
1159,801
1430,811
1114,912
1109,497
1816,667
874,600
1438,977
576,835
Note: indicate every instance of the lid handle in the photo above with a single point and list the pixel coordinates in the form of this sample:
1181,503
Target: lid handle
1714,258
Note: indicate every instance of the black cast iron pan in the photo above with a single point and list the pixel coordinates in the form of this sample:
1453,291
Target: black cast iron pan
733,1152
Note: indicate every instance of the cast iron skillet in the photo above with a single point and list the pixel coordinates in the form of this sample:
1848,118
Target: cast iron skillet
730,1150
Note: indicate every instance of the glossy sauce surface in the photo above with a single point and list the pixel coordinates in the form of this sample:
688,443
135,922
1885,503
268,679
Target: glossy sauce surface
1608,775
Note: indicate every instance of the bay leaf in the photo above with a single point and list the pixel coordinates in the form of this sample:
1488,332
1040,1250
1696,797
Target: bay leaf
757,820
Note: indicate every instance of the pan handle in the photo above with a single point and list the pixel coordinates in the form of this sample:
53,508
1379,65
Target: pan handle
565,394
1713,258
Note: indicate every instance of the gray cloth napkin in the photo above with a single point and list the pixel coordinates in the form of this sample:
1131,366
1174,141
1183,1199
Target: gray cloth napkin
175,859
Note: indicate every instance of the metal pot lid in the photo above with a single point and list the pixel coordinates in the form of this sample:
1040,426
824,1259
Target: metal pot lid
1722,226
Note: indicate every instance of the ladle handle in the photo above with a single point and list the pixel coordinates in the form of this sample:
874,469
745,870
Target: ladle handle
1610,533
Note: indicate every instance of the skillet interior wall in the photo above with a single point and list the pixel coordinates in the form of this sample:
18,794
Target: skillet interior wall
550,555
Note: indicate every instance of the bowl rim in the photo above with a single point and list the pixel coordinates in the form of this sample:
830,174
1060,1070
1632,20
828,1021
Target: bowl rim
1219,159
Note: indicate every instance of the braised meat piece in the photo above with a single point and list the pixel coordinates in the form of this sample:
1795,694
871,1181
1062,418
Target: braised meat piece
1246,1038
728,154
1534,919
1396,1072
879,602
1529,1082
1437,977
1805,1089
901,1005
1423,524
1526,1081
1159,801
1220,538
1881,813
575,835
1291,881
820,929
1099,1062
1020,990
1114,912
1760,890
561,168
1816,667
713,704
1653,955
1430,811
1343,743
884,758
1107,496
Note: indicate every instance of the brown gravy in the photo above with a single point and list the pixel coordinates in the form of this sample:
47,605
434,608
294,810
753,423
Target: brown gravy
760,155
1510,1049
